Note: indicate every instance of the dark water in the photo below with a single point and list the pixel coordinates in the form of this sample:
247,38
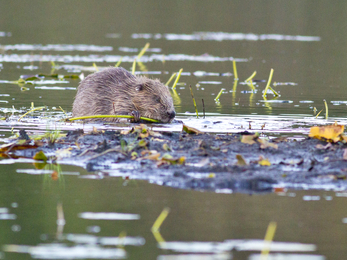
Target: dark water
303,41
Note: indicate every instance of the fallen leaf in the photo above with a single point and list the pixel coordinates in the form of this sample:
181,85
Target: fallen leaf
324,147
40,156
191,130
265,144
263,162
166,147
240,160
249,139
153,157
331,133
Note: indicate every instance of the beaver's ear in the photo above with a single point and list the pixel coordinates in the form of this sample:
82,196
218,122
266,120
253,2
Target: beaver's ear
139,87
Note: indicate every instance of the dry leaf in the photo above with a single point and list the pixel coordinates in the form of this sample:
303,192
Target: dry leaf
265,144
249,139
240,160
324,147
191,130
263,162
153,157
331,133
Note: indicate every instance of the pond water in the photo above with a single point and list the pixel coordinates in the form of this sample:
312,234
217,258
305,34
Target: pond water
304,42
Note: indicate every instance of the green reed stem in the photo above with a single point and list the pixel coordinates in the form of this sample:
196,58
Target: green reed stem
219,94
326,109
268,83
170,79
134,67
196,109
112,116
235,70
119,62
177,78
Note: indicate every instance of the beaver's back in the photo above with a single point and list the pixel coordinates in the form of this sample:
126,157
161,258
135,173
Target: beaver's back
98,92
115,91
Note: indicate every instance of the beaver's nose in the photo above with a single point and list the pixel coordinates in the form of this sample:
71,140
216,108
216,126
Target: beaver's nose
171,114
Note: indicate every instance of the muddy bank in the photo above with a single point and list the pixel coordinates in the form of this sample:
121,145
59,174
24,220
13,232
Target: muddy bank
220,163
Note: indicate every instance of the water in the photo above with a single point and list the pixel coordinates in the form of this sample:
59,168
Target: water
303,41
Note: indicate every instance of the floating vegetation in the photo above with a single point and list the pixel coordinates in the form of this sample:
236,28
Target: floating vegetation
223,36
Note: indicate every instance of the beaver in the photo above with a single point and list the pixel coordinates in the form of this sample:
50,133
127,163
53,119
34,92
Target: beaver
115,91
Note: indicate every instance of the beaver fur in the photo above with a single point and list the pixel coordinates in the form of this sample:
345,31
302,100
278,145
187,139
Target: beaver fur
115,91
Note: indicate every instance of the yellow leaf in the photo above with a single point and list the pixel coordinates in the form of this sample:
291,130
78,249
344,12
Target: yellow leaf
263,162
191,130
330,133
265,144
249,139
240,160
40,156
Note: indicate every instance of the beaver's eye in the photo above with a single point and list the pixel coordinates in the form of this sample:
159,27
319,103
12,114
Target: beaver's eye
139,87
157,99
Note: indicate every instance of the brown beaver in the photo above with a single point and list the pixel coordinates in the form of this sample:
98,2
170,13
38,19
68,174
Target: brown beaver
115,91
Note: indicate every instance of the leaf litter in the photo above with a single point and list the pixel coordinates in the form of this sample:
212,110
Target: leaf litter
241,162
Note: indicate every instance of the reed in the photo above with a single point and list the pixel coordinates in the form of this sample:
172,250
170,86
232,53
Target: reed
159,221
219,94
319,113
251,77
118,63
177,78
133,67
235,70
144,49
268,83
326,109
270,233
96,67
203,107
32,110
196,109
249,80
62,110
111,116
170,79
